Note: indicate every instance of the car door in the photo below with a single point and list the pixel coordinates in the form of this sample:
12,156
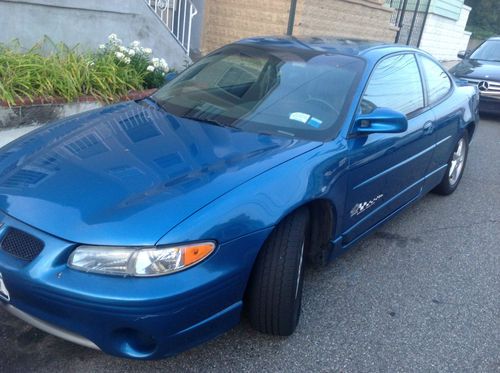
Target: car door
446,112
386,169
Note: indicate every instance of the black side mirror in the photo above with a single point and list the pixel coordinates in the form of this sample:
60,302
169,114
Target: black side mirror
170,76
463,54
381,120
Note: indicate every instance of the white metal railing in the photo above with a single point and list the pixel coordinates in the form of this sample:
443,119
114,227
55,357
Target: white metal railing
177,15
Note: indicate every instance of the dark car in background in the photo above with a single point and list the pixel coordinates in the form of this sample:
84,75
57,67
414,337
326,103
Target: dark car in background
481,67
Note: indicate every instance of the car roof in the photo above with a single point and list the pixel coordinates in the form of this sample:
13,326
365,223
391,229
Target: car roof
346,46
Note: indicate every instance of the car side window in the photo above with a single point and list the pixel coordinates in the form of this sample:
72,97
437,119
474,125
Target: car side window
438,82
395,83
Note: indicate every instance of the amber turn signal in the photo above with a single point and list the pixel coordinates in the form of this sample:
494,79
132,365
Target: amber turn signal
195,253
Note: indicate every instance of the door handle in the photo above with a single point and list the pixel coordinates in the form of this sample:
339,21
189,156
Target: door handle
428,128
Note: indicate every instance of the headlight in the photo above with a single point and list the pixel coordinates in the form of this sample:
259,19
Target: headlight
138,261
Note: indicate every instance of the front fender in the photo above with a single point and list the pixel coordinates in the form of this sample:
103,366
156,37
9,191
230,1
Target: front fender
263,201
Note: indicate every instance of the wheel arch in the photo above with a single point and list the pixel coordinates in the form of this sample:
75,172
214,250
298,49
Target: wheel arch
470,128
322,223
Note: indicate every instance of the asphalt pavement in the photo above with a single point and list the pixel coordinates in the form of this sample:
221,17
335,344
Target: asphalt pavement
420,294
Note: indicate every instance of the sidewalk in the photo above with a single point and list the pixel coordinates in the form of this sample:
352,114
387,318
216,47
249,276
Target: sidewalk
450,64
9,135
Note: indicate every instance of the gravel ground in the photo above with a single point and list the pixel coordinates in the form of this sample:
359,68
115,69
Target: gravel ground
420,294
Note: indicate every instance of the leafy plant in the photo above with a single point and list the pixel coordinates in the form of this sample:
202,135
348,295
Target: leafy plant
50,70
153,69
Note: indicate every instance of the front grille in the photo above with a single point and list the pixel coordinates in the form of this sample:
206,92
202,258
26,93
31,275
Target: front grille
21,244
486,87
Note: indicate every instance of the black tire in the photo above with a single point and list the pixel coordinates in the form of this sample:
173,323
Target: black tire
447,184
274,297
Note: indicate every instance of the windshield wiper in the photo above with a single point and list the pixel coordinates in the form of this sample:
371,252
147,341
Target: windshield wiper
206,120
152,102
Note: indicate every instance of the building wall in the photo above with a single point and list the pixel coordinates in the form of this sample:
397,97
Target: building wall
345,18
229,20
447,8
444,37
87,24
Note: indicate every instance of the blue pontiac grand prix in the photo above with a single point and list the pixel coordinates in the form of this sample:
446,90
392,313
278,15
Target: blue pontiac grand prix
147,227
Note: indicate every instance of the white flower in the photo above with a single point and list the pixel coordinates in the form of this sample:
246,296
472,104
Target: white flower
122,49
150,68
126,60
113,39
119,55
135,44
147,50
160,63
131,52
102,46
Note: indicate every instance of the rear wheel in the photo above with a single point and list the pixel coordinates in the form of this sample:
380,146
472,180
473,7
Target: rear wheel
455,169
275,290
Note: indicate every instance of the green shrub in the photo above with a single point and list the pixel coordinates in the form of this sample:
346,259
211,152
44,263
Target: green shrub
55,70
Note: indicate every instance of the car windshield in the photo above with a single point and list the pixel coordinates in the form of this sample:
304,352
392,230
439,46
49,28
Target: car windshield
488,51
294,92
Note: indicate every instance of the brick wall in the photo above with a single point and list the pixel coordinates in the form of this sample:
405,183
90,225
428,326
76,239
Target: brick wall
229,20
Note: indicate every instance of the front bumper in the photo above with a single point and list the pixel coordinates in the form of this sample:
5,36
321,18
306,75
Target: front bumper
489,98
142,318
48,328
489,104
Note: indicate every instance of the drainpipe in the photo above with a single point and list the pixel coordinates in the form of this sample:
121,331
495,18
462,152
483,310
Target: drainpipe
291,17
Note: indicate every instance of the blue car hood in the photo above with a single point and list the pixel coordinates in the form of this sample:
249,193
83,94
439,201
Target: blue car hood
127,174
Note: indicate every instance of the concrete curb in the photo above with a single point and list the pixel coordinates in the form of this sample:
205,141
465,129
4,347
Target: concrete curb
41,111
21,116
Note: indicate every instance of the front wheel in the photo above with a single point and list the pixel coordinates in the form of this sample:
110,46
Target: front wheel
275,289
455,169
